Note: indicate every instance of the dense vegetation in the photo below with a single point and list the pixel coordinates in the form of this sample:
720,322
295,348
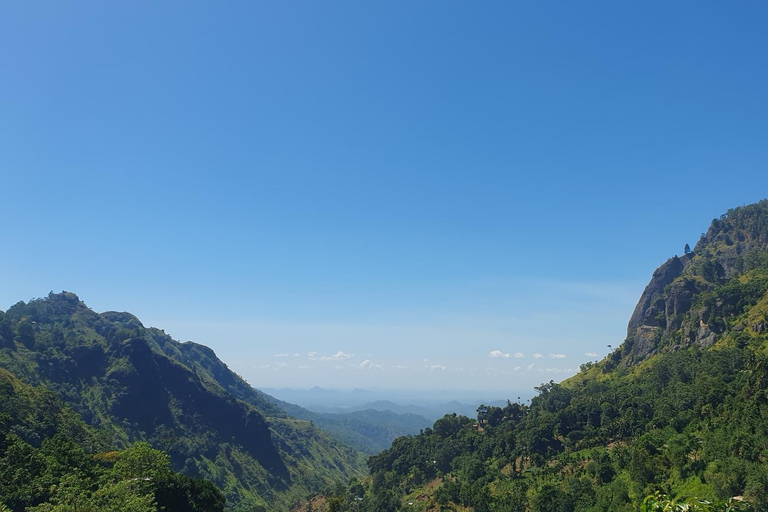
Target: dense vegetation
136,384
679,412
50,461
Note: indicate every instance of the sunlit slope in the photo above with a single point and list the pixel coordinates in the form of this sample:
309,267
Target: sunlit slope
680,408
137,383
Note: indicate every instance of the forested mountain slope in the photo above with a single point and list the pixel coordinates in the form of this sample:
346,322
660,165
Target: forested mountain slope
680,408
367,431
137,384
51,461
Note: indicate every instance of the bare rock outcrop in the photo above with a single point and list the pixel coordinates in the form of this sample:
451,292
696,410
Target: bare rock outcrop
650,318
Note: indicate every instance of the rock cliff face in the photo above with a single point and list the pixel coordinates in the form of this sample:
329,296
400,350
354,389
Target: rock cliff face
649,320
669,314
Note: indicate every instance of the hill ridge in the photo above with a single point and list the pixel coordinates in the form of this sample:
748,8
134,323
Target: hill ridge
678,409
138,384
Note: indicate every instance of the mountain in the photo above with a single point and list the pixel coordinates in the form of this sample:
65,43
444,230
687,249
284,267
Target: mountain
431,404
369,431
690,297
50,460
676,418
138,384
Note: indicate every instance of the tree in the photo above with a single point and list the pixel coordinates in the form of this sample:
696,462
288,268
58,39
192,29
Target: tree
687,249
183,493
143,463
550,498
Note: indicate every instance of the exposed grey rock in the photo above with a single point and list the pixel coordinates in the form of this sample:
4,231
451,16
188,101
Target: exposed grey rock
679,299
648,306
655,312
668,316
707,341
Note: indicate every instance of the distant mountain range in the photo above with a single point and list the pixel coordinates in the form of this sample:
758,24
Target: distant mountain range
367,430
429,406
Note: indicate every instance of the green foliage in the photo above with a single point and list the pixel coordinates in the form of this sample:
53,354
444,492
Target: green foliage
141,462
138,385
44,465
685,429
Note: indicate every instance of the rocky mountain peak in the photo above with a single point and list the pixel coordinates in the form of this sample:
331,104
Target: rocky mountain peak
667,314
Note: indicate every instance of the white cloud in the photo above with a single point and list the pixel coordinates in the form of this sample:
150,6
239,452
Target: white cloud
296,355
557,356
537,355
281,365
306,367
437,367
369,365
338,356
312,354
555,370
282,355
591,354
530,366
399,367
496,354
517,368
519,355
265,366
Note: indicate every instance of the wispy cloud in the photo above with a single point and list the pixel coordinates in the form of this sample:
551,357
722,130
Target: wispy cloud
369,365
437,367
338,356
536,355
498,354
276,366
282,355
557,356
555,370
591,354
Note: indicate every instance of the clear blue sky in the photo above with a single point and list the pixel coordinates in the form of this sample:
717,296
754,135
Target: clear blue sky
394,191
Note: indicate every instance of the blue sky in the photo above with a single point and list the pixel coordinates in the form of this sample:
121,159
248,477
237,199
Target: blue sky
394,191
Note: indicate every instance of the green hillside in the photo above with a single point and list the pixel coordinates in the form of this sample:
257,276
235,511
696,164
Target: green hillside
680,409
50,461
137,384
